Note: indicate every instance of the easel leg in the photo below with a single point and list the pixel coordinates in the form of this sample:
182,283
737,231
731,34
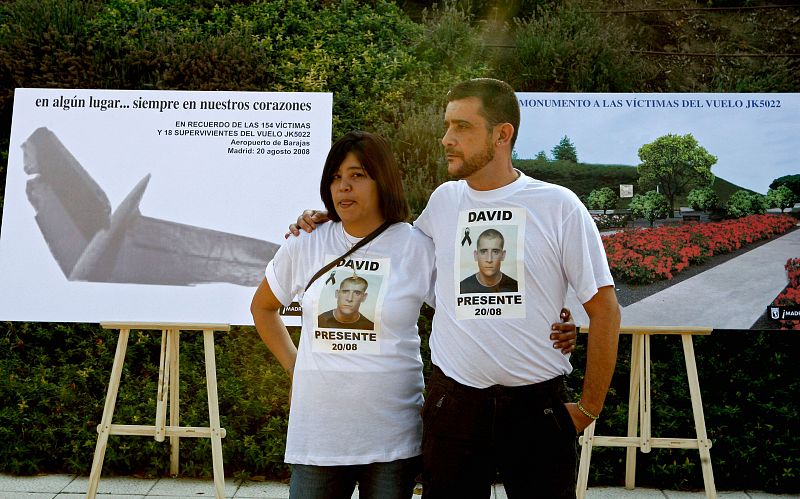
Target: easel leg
704,444
174,401
163,382
586,458
108,413
645,401
637,345
213,414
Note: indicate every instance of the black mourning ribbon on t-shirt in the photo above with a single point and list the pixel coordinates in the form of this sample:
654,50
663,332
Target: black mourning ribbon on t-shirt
372,235
466,238
331,278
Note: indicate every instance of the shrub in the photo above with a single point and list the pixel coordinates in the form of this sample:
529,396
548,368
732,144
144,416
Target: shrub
450,49
743,203
750,412
781,197
650,206
602,199
790,181
565,48
420,155
54,383
55,377
703,199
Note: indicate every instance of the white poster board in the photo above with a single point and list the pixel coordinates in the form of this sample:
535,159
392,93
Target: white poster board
754,138
152,206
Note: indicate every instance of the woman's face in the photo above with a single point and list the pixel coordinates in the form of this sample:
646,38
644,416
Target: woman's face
355,197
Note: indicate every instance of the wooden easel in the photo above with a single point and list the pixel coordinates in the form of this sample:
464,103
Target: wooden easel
168,380
639,412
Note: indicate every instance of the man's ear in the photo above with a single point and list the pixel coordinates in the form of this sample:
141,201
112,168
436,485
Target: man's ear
475,255
505,133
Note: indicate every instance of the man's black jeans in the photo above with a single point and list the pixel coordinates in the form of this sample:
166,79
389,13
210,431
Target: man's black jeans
523,433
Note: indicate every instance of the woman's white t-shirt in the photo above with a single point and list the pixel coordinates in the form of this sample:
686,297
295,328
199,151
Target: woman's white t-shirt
357,386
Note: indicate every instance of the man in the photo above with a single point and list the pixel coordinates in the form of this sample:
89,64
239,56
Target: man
496,399
351,294
489,255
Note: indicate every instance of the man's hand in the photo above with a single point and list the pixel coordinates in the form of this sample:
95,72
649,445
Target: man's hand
564,336
579,419
307,221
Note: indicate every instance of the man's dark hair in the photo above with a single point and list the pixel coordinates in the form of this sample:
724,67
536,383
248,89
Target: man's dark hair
375,155
499,103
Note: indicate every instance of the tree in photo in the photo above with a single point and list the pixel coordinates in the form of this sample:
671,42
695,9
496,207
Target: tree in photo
651,206
781,197
790,181
675,164
703,199
565,151
602,199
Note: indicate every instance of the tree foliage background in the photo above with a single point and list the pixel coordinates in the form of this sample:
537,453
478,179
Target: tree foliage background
565,151
388,65
676,164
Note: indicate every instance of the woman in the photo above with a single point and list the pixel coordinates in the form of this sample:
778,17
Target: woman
357,375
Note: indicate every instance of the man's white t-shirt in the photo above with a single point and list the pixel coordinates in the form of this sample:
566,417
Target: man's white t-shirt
550,242
357,393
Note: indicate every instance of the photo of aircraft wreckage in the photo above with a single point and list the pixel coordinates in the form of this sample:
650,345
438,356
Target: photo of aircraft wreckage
90,243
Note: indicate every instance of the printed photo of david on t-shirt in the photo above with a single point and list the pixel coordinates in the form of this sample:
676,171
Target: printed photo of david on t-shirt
351,293
488,264
489,254
348,310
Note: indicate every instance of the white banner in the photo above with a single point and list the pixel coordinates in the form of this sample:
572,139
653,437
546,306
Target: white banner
152,206
754,138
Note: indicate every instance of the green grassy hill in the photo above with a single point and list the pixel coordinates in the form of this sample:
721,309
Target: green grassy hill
582,178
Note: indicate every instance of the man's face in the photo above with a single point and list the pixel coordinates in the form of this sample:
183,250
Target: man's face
489,255
468,144
349,298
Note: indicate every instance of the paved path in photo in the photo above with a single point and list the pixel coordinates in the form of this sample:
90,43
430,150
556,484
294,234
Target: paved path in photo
732,295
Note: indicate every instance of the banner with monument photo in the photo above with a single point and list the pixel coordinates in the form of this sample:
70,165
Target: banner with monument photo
710,159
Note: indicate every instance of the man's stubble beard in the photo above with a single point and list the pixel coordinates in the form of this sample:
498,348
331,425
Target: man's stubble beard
475,163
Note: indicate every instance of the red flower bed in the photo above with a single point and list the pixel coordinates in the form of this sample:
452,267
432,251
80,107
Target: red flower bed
790,297
642,256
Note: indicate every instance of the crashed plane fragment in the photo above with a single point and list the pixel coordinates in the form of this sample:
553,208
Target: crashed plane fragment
90,243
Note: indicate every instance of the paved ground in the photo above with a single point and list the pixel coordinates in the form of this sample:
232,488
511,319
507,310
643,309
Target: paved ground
72,487
727,296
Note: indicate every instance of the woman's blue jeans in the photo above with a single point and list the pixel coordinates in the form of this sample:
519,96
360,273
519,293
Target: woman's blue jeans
391,480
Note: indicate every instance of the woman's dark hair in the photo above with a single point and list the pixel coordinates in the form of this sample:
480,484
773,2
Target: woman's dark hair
375,155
